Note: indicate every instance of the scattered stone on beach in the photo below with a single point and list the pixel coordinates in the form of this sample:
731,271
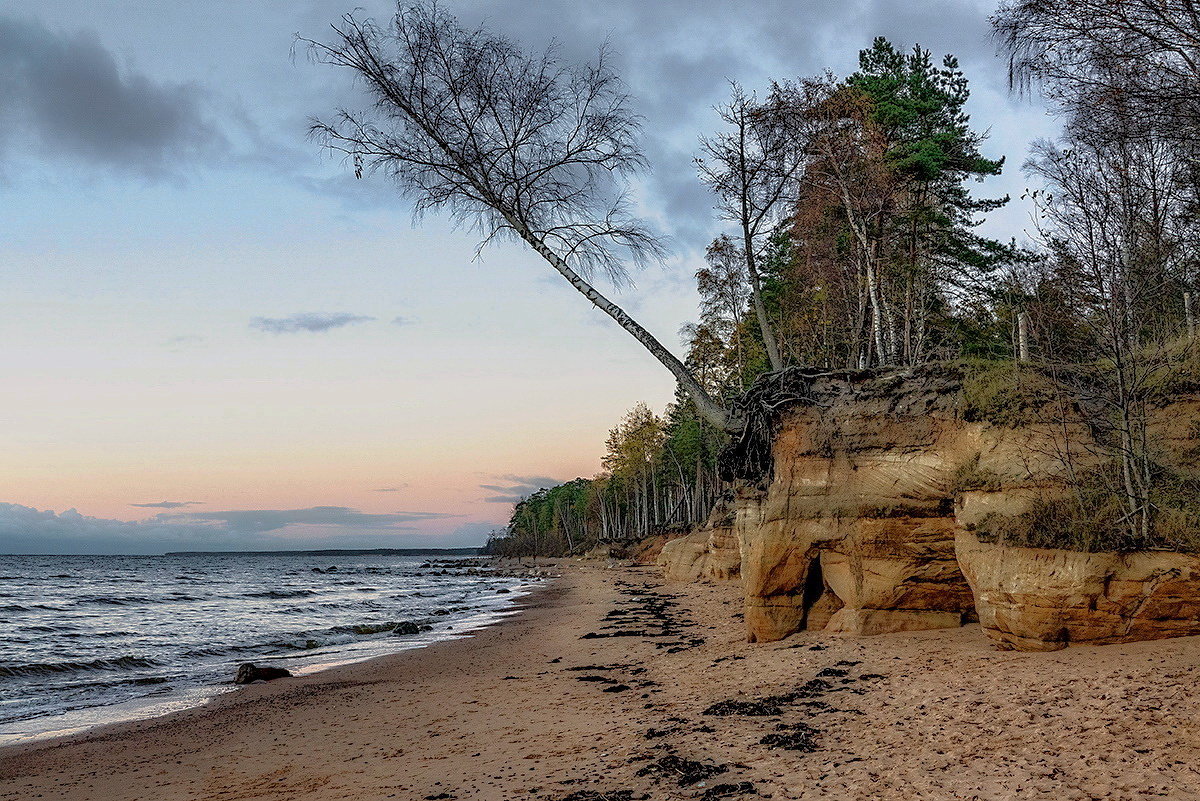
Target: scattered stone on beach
810,689
365,629
250,673
834,672
406,628
597,667
616,688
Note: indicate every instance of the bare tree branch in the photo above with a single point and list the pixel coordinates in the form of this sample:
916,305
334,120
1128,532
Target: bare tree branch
509,144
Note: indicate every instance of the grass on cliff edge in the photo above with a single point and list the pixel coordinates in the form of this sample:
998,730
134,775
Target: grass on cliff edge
1007,393
1090,519
1004,392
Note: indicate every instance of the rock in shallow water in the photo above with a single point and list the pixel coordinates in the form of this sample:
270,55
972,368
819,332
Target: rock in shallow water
250,672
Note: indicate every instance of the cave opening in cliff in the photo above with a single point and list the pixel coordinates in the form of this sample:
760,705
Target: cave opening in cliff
814,589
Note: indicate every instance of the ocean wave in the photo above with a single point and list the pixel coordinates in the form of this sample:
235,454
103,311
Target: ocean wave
27,607
266,608
106,600
221,650
49,668
281,594
367,629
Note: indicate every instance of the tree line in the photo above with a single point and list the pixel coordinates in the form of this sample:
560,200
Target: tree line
659,476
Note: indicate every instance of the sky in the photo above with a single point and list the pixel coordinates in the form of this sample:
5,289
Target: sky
215,338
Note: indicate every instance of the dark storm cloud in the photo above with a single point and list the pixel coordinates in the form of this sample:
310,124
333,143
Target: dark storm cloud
167,504
313,322
517,488
24,529
64,95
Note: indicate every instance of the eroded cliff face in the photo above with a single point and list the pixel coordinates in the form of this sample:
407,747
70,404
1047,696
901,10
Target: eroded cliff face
710,552
1043,599
864,525
855,531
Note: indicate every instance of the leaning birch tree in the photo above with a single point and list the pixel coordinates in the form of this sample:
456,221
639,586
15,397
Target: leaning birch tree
510,144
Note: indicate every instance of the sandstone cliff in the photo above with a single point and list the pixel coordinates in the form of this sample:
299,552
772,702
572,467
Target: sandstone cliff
1043,599
710,552
856,497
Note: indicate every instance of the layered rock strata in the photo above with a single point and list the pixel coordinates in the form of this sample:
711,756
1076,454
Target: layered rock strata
710,552
859,519
1043,599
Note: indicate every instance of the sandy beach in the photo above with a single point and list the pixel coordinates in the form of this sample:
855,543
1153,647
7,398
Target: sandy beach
612,684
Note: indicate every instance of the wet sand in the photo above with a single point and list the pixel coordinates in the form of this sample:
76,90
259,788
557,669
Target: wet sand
535,708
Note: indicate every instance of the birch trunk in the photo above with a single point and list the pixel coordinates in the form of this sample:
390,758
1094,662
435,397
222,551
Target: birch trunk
760,310
705,405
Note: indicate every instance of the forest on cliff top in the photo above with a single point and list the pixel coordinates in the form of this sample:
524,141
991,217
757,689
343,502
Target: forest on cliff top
847,232
851,244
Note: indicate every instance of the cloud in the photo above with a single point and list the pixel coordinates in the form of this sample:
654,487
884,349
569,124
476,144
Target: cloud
314,322
517,488
167,504
24,529
27,530
401,320
64,95
477,531
263,520
390,489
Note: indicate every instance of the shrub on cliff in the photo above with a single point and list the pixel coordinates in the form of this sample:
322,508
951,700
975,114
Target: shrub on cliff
1090,517
1004,392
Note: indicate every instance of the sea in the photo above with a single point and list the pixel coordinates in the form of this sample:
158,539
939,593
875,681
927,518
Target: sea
89,640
